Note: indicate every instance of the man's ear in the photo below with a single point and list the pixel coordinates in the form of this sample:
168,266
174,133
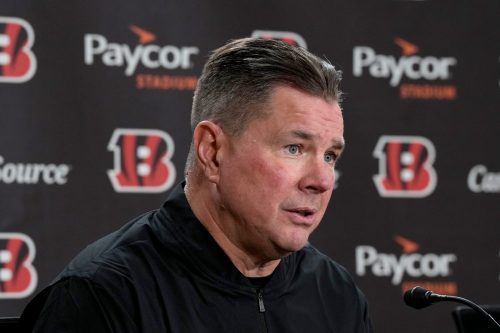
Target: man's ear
207,139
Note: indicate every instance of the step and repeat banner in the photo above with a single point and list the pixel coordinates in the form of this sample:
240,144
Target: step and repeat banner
95,101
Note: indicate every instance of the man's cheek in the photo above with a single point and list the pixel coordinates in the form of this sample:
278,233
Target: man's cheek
274,175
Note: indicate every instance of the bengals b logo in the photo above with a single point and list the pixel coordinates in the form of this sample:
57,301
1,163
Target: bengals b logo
17,61
141,160
18,277
288,37
405,166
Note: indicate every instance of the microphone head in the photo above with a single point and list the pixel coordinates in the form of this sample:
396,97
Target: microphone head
417,297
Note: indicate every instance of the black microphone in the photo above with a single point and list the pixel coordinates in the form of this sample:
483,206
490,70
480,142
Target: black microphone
420,298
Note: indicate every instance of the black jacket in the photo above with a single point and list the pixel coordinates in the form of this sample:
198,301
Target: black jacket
163,272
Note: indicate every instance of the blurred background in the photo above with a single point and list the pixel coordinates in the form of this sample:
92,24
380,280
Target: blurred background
95,100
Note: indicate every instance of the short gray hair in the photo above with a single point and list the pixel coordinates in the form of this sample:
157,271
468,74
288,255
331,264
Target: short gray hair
239,78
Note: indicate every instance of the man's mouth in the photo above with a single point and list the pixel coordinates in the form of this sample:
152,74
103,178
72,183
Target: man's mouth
302,211
302,215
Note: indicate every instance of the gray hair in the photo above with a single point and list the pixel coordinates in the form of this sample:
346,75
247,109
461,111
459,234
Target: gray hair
239,78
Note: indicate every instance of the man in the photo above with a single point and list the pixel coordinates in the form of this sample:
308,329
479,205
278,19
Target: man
228,251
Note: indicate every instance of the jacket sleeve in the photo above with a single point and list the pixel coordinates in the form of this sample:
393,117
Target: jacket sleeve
79,305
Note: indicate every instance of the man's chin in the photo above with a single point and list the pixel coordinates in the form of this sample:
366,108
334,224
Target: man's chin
291,247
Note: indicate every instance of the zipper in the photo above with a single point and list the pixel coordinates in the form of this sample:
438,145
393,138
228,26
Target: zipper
260,300
262,310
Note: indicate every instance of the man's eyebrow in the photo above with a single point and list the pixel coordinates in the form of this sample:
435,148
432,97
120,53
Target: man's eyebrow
336,143
303,134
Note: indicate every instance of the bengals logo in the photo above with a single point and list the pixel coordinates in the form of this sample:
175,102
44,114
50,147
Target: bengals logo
405,166
17,61
288,37
18,277
141,160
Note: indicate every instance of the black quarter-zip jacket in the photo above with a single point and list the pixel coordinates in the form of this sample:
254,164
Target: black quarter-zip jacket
163,272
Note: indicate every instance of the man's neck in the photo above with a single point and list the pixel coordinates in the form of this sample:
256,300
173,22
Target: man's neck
206,212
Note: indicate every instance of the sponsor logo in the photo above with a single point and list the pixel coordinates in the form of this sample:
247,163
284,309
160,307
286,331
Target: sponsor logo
407,67
141,161
402,269
33,173
288,37
147,55
482,180
18,277
17,61
405,166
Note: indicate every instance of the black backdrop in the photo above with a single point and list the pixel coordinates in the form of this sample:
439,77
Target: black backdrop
94,129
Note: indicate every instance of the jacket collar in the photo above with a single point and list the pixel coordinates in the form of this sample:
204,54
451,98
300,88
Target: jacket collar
178,228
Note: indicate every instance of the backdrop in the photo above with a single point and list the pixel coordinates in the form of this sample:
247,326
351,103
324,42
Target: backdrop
95,98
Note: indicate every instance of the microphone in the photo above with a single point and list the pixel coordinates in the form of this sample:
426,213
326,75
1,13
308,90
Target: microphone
420,298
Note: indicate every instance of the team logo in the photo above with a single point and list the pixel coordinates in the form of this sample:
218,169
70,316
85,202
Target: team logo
411,264
18,277
17,61
288,37
410,67
141,160
405,166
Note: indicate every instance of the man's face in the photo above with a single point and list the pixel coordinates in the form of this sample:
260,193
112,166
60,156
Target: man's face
276,178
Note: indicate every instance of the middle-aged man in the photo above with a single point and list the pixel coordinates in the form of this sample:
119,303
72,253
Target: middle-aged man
228,251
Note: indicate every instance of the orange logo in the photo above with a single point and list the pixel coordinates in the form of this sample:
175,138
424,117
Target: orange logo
144,36
407,245
407,48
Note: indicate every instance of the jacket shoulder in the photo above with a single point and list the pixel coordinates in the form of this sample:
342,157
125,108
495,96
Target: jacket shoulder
110,251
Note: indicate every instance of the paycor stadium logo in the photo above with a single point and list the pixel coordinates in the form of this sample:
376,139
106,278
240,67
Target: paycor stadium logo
410,268
418,77
144,59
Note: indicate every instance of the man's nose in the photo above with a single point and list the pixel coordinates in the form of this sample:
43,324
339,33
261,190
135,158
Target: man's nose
319,176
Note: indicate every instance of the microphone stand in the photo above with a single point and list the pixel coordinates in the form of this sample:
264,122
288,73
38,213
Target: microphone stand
470,304
419,298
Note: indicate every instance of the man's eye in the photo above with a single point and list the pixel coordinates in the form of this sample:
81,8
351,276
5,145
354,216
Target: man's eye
329,158
293,149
